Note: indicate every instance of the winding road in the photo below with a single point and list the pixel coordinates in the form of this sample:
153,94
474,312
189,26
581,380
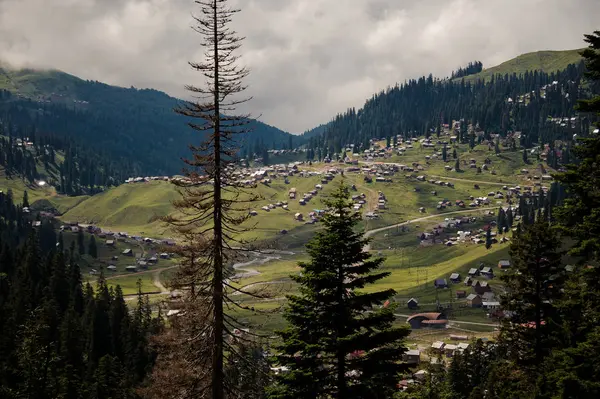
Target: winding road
473,323
470,181
393,226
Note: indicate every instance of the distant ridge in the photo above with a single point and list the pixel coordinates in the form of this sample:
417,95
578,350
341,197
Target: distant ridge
545,61
136,125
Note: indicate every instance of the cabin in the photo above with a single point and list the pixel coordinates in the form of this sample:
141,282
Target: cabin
128,252
474,271
487,272
490,305
111,268
298,216
461,294
455,277
292,193
441,283
412,303
131,268
164,255
480,287
427,320
438,346
412,357
110,243
504,264
474,301
449,350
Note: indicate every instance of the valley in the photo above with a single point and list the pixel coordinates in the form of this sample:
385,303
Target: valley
416,227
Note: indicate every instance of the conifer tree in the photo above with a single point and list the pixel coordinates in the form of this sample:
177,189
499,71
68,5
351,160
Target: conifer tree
454,154
488,237
92,248
80,242
525,159
211,210
580,216
334,346
532,289
25,200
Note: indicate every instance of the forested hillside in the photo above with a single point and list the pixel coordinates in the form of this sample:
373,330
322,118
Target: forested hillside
541,61
530,103
137,128
61,338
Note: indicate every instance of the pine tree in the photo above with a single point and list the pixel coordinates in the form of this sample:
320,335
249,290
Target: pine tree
92,248
532,289
509,217
25,200
444,153
80,242
213,205
61,242
454,154
332,345
525,159
488,238
502,221
580,216
457,165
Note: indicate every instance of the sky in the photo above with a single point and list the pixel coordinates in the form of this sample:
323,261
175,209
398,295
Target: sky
309,59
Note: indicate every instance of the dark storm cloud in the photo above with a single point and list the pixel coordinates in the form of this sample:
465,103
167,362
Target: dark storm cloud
309,58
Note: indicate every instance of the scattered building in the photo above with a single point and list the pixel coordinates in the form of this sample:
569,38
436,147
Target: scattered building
412,357
427,320
474,301
412,303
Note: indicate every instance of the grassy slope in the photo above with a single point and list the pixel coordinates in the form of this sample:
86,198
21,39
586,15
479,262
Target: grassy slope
546,61
135,207
30,82
129,207
18,186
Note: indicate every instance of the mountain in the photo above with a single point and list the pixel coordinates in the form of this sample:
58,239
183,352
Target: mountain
517,99
543,61
128,124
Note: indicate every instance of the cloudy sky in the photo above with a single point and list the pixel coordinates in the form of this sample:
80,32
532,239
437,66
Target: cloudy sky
310,59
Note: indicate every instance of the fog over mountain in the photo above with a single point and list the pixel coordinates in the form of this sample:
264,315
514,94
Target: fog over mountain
309,58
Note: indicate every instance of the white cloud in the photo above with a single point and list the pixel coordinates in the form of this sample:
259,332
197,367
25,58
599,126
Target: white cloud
310,59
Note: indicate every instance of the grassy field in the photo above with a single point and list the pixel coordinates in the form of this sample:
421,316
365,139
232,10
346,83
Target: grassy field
18,186
546,61
129,283
136,208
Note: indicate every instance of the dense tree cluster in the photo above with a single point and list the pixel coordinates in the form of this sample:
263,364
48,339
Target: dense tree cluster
548,342
471,69
135,129
501,105
72,169
61,339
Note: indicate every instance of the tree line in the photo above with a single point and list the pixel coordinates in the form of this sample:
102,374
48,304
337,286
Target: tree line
504,104
61,337
471,69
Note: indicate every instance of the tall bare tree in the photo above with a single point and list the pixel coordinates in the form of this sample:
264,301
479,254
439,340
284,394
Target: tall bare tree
209,218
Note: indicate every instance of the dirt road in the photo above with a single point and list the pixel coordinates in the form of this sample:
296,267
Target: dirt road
489,183
393,226
473,323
